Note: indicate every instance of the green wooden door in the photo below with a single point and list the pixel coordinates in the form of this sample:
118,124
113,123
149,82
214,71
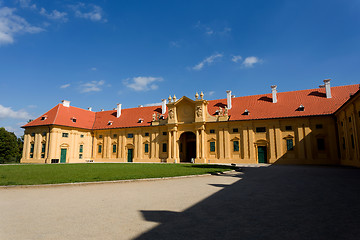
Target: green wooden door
130,155
262,155
63,155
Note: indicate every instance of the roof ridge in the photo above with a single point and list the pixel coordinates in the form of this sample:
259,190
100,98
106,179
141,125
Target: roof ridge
269,93
57,111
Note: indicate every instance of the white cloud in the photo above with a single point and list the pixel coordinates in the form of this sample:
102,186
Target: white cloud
7,112
93,86
211,93
65,85
250,61
207,61
212,30
12,24
153,104
89,11
142,83
236,59
93,69
54,15
18,131
26,4
175,44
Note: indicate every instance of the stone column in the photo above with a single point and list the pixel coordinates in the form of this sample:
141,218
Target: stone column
245,143
169,146
140,144
278,144
226,143
175,152
300,144
26,148
203,145
37,150
308,140
221,144
123,146
197,144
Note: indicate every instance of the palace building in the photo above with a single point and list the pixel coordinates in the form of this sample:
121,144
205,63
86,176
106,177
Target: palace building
314,126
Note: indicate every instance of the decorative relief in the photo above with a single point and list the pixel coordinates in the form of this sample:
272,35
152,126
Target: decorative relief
171,114
198,111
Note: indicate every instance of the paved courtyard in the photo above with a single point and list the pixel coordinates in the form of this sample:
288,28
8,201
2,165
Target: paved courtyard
273,202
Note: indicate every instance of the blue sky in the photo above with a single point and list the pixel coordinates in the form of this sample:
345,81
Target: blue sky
100,53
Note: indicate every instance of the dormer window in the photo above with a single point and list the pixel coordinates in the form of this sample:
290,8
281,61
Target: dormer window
162,117
110,123
43,118
301,108
246,112
73,119
140,120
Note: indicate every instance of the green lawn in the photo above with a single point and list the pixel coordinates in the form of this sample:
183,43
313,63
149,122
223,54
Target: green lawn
69,173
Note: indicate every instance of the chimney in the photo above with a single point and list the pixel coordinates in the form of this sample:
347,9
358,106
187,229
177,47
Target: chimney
327,88
228,99
66,103
118,110
274,91
90,109
163,109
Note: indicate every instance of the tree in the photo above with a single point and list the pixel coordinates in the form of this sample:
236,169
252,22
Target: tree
10,147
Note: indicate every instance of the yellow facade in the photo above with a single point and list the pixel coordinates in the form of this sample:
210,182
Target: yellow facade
348,125
190,133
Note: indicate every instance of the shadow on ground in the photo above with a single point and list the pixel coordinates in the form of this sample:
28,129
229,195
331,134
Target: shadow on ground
276,202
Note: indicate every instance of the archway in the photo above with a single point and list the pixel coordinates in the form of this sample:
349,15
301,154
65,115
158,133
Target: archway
187,146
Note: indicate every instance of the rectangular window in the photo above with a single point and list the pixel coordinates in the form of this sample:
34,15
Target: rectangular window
146,134
114,148
164,133
288,128
115,136
65,135
235,130
80,156
319,126
289,144
44,134
146,147
236,146
349,119
43,150
32,150
212,146
342,124
359,113
99,148
82,135
320,144
81,149
32,134
261,129
164,147
130,135
352,141
343,143
100,136
212,130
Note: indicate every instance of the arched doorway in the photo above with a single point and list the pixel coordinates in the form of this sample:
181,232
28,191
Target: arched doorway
187,146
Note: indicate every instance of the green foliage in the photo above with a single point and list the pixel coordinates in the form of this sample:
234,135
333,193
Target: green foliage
10,147
91,172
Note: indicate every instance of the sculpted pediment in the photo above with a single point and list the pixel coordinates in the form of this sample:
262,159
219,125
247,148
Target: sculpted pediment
185,110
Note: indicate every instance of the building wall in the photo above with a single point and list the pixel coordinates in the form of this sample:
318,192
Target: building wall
348,126
304,133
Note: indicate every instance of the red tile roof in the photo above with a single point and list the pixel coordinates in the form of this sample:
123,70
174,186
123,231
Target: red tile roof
259,106
262,107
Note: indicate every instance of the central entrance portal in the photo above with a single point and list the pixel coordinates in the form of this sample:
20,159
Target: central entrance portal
187,146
